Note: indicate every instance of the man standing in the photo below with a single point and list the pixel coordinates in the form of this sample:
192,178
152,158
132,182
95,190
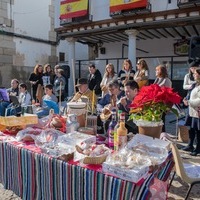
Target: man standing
94,79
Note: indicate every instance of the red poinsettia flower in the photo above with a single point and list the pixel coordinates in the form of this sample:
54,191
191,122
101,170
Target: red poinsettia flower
152,101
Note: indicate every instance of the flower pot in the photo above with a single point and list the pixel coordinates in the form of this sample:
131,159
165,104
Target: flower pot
152,131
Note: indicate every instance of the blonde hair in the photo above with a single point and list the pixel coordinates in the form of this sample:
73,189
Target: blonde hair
143,63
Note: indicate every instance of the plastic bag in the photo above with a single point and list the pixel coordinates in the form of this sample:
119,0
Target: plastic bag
28,134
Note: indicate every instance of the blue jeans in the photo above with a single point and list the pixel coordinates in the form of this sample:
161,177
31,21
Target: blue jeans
3,106
13,110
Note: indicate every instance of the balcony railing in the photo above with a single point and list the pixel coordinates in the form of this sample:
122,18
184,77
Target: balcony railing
187,3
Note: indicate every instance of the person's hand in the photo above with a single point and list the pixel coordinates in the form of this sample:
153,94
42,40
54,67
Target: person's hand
33,82
122,101
125,81
13,93
185,101
138,79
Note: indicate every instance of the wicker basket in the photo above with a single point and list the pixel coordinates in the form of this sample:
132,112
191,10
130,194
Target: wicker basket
66,157
92,160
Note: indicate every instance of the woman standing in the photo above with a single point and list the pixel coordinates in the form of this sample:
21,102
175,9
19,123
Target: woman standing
126,73
189,78
162,77
194,113
163,81
48,75
142,73
36,82
108,76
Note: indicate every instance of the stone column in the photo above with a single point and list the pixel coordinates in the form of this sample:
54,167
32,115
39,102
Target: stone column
71,63
132,45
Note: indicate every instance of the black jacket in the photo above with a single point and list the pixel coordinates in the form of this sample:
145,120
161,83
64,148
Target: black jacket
94,81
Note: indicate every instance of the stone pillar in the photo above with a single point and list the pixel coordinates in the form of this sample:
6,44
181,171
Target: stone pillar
71,63
132,45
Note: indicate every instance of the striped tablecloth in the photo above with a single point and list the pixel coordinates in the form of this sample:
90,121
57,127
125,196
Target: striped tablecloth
34,176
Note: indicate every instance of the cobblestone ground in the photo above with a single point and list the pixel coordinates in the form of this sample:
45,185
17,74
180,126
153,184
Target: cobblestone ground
7,194
177,190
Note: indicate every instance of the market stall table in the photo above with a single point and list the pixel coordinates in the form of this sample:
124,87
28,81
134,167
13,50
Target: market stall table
33,175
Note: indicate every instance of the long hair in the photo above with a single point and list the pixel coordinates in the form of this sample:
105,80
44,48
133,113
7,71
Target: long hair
129,62
163,71
45,68
143,63
112,70
36,69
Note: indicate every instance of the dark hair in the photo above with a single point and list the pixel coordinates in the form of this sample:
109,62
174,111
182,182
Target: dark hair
15,81
114,83
49,86
198,70
92,66
132,84
23,85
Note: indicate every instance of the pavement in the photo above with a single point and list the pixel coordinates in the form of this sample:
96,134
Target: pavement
178,188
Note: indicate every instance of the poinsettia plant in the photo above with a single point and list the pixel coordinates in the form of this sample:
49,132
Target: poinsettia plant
152,102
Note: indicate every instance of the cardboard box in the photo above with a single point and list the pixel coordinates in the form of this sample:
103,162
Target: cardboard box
133,175
138,138
19,121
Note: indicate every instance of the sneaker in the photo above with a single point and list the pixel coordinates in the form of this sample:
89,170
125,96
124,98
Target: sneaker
188,148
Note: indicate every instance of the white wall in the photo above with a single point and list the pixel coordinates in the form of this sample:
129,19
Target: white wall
30,53
100,11
162,5
32,18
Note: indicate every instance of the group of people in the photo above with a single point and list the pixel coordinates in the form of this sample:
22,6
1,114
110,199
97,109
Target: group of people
47,85
117,91
192,101
104,93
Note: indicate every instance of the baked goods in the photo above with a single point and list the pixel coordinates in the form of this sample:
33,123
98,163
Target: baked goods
94,154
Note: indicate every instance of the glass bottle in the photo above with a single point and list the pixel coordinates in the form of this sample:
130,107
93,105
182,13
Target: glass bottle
115,131
111,128
122,131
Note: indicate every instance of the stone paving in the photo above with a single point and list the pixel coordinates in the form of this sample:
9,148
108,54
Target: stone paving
177,190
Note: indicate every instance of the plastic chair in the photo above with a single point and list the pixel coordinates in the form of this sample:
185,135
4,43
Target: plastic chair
181,172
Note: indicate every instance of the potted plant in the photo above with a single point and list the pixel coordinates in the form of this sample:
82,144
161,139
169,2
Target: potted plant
149,106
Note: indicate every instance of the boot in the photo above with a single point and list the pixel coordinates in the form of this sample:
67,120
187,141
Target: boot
197,149
190,146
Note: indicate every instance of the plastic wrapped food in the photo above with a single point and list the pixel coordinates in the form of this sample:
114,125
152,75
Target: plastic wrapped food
28,134
47,138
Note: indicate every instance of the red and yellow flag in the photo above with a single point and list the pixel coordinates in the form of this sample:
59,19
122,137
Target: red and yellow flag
119,5
73,8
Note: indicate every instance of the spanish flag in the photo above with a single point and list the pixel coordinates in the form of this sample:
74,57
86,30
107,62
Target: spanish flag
73,8
119,5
